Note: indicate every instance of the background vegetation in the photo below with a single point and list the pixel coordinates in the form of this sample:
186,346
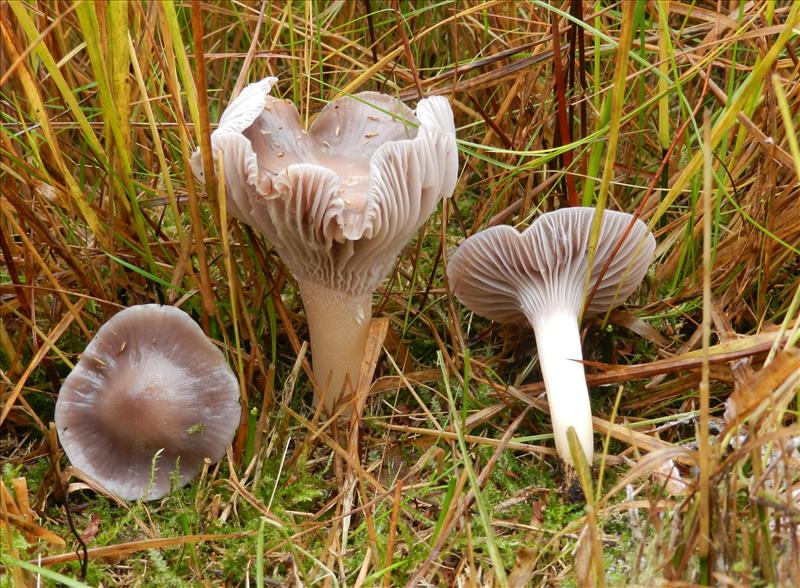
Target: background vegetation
685,113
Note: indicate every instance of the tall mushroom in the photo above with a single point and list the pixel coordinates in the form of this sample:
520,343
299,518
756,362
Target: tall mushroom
338,201
150,388
540,275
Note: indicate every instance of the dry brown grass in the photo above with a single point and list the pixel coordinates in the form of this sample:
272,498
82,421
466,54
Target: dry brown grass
101,105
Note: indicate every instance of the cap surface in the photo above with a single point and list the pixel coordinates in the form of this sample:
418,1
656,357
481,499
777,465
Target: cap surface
340,199
505,275
150,382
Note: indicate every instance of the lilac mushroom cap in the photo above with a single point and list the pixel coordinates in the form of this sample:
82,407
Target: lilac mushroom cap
338,200
507,276
341,199
150,382
540,275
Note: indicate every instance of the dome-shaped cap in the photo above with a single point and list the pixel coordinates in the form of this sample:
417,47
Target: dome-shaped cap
505,275
150,381
339,200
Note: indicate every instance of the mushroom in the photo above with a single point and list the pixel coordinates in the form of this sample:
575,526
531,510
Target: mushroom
540,275
150,388
338,201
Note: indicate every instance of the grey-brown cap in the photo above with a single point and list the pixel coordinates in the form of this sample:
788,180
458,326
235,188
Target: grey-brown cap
506,276
340,199
150,382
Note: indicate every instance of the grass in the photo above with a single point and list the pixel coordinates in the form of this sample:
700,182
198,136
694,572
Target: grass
682,112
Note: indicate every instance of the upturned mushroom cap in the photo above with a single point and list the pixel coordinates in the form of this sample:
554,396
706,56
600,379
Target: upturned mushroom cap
150,381
505,275
339,200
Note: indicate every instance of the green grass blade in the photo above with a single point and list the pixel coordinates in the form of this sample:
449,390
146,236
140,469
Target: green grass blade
483,509
11,562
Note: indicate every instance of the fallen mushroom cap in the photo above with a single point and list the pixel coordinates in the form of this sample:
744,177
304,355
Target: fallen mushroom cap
506,276
540,274
338,201
150,381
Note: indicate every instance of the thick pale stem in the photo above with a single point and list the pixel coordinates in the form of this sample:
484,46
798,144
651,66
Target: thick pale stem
338,325
558,342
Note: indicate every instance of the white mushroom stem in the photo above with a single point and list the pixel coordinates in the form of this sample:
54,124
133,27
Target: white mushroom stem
558,342
338,325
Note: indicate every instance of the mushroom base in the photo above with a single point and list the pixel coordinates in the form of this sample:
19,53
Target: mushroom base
338,325
558,341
